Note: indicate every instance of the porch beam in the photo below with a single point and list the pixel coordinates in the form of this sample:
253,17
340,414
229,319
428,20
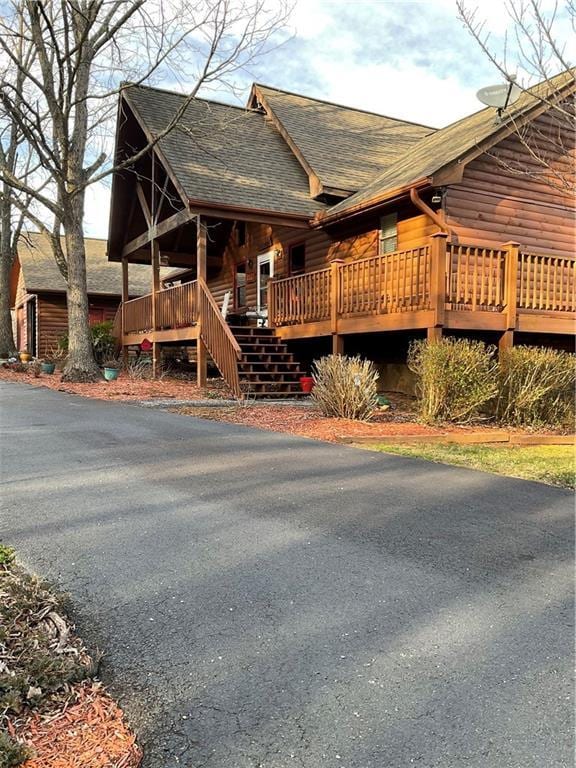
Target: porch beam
143,203
173,222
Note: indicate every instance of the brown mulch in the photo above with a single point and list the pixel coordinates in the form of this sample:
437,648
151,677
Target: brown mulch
124,388
90,733
308,422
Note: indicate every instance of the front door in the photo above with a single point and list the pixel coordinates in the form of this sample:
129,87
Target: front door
264,273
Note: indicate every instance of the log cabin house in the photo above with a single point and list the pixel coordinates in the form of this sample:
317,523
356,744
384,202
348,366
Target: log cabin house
324,228
38,291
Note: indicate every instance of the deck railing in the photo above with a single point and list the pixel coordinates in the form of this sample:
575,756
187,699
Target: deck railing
475,277
138,314
301,299
218,338
546,283
463,277
392,282
176,307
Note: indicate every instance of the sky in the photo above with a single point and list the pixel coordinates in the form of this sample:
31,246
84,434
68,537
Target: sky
410,59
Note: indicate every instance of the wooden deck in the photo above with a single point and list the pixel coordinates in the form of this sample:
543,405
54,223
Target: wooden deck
436,285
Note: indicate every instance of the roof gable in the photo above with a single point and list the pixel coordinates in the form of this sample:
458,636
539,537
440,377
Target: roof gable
225,155
342,147
456,143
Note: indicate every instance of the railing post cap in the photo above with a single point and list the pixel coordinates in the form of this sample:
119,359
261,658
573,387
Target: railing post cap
337,261
514,243
439,234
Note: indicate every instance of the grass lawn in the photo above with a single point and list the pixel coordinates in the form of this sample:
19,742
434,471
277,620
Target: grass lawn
552,464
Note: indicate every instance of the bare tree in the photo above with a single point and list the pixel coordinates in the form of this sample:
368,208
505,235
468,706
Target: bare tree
84,52
11,216
535,56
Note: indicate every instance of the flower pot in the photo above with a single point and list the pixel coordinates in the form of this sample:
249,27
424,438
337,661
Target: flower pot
25,357
306,383
48,367
111,374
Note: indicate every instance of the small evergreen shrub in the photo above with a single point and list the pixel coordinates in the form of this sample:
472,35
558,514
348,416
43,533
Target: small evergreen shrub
536,387
11,752
345,386
103,342
456,379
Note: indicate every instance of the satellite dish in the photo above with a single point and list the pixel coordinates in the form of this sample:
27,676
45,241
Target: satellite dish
499,96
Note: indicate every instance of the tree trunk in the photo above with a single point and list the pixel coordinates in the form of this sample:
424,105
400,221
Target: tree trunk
81,365
6,335
6,257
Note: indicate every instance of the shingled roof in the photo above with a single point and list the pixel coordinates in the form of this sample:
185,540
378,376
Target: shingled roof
225,155
41,273
450,144
344,147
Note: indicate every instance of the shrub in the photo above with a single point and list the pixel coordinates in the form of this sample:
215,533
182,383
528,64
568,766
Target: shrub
103,342
11,752
345,386
456,379
536,387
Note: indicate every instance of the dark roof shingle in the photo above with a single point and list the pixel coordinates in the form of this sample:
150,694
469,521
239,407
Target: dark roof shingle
104,277
226,155
345,147
448,145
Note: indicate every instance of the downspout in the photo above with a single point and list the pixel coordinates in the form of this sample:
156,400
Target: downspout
421,205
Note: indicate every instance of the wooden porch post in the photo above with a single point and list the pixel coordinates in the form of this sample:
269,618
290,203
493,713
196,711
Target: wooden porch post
155,288
337,341
437,284
201,354
125,296
512,249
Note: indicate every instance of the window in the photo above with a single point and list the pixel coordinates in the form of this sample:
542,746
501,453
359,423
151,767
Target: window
240,233
388,233
297,257
240,286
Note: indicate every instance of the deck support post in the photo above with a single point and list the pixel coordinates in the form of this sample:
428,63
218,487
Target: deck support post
434,334
125,296
337,340
201,271
155,288
512,249
437,284
337,344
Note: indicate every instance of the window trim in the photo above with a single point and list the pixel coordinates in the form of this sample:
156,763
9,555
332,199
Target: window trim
385,240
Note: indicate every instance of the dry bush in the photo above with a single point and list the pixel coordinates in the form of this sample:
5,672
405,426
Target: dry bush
140,369
456,379
536,387
345,387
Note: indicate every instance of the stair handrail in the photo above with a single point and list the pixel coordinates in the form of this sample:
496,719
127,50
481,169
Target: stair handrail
218,338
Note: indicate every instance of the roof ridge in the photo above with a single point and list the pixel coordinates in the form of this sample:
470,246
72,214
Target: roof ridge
184,95
45,234
344,106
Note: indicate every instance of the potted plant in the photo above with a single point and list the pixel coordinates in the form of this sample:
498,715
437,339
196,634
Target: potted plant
25,356
306,383
111,369
48,365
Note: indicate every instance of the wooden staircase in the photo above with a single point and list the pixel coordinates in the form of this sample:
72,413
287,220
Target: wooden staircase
266,368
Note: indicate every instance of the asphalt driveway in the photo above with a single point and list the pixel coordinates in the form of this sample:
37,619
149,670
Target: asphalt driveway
269,601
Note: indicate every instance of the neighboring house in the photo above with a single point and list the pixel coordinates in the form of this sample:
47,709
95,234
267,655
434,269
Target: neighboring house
38,291
341,229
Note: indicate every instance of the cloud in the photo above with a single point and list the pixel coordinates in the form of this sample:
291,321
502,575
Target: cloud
411,59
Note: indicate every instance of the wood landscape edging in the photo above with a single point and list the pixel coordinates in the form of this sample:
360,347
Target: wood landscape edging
468,438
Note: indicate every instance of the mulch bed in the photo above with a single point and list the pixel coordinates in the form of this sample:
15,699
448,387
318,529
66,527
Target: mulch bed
49,701
125,388
89,733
